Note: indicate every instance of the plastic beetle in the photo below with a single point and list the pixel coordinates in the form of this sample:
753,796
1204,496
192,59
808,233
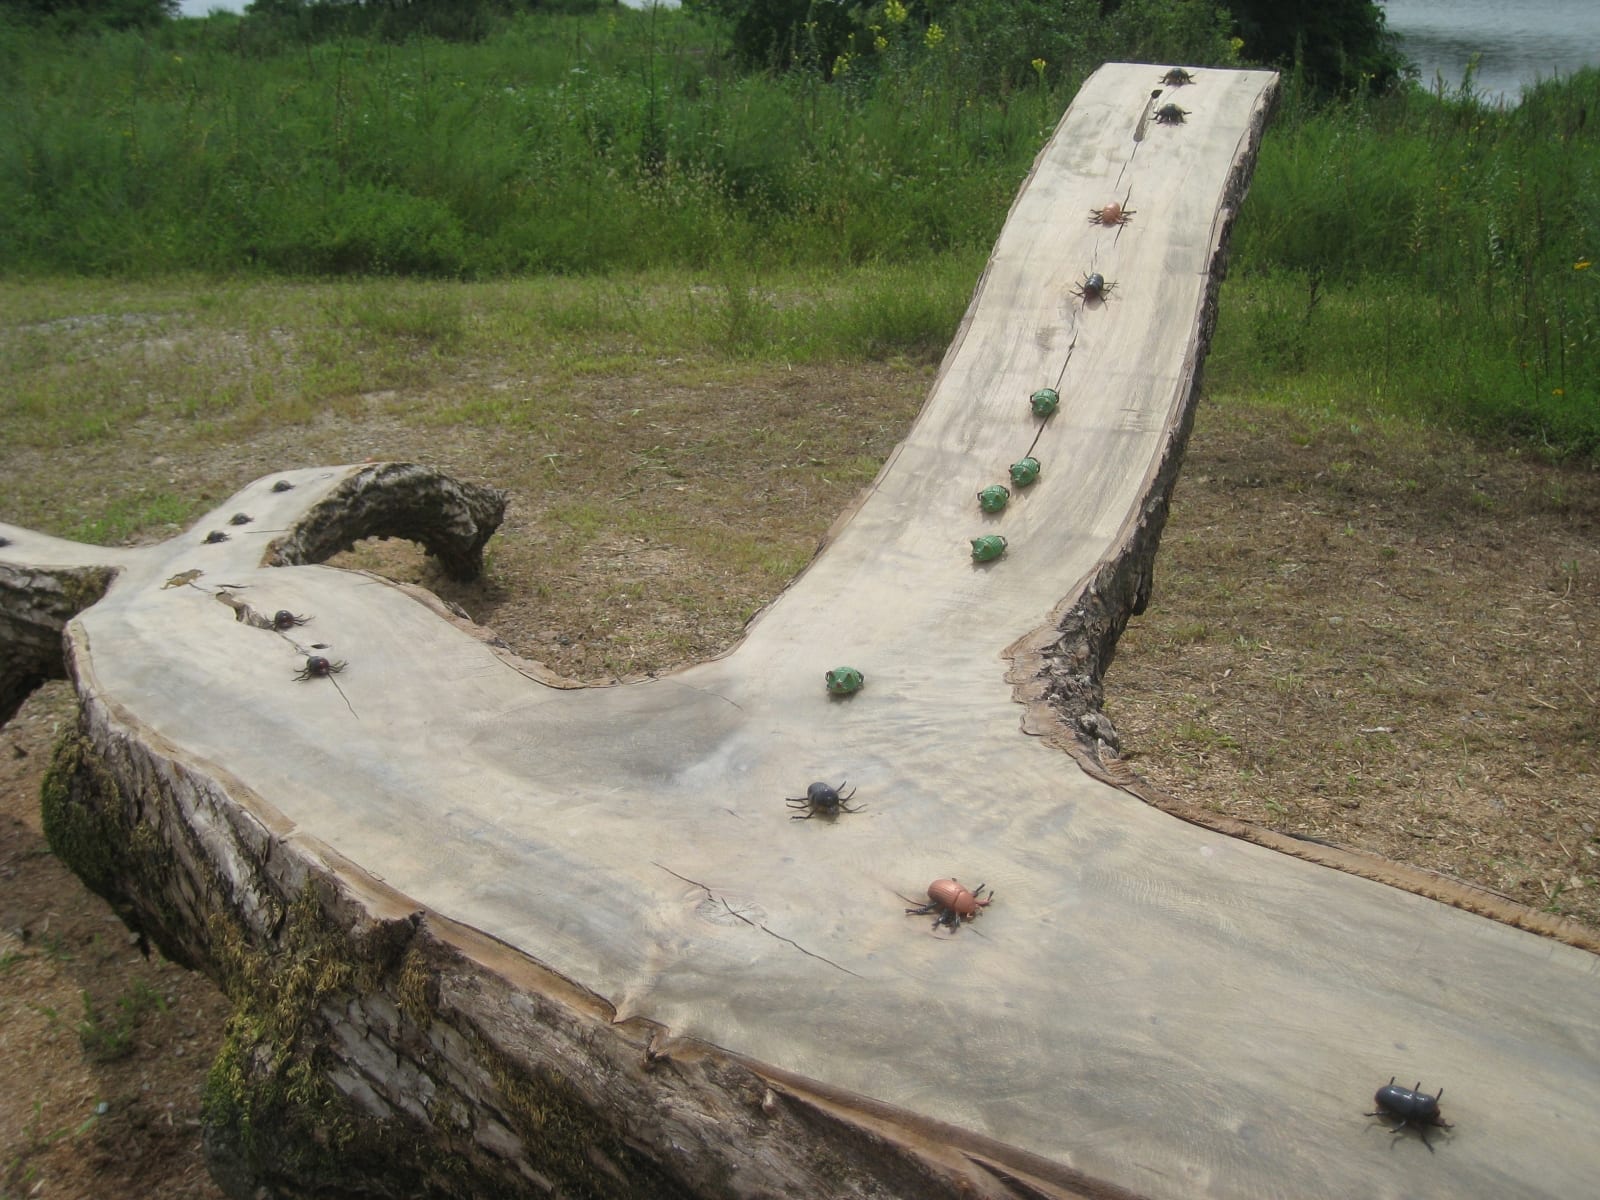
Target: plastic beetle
215,537
240,518
1177,77
953,903
1093,287
1025,471
844,681
283,485
1170,114
284,620
318,667
994,498
822,799
988,547
1409,1107
1111,214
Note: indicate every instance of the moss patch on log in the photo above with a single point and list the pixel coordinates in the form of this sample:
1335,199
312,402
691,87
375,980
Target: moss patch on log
83,829
345,1070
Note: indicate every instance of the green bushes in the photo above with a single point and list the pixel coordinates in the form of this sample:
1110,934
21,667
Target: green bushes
565,144
1418,251
1438,246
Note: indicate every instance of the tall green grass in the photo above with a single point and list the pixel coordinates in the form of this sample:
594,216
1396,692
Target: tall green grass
562,144
1419,252
1433,254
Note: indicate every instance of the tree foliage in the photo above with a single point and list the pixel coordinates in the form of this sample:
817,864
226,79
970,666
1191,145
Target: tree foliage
395,20
71,16
1000,44
1339,45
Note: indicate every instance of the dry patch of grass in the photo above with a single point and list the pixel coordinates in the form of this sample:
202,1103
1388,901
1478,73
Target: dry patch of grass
1383,637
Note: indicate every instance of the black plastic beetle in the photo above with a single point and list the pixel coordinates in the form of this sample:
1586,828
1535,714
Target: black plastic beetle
822,799
1177,77
284,620
283,485
240,518
1170,114
1410,1107
1093,287
318,667
215,537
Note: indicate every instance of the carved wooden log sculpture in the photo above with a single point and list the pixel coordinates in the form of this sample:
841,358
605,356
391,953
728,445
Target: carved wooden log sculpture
485,936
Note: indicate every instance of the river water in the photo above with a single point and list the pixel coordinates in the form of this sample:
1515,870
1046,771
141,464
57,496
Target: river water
1517,41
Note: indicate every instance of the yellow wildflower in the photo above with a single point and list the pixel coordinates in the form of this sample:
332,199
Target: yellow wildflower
880,43
895,12
1584,265
934,36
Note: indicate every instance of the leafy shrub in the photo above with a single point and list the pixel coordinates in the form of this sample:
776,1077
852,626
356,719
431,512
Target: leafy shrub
368,229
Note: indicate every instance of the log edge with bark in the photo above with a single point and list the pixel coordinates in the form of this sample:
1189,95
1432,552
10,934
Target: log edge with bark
379,1049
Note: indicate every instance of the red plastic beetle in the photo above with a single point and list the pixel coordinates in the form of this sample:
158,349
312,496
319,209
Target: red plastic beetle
953,903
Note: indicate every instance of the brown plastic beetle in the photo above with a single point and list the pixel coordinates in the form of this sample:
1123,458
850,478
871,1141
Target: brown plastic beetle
1110,214
953,902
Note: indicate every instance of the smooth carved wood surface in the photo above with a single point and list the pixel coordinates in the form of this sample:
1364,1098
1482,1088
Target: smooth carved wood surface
1147,1004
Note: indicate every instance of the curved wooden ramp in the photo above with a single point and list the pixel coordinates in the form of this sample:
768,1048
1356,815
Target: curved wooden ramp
587,951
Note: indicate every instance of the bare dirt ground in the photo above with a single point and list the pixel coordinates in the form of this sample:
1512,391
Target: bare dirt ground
1374,635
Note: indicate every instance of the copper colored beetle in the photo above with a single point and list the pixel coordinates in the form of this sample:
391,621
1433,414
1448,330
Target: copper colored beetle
953,902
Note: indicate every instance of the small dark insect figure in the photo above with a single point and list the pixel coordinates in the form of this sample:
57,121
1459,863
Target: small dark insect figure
318,667
215,537
953,903
283,485
1094,287
1170,114
4,541
284,620
1410,1107
822,799
1177,77
240,519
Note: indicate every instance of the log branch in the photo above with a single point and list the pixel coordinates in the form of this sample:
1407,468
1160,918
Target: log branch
35,605
452,520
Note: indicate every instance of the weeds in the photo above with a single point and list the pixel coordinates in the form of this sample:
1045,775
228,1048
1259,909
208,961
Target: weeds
1433,251
109,1037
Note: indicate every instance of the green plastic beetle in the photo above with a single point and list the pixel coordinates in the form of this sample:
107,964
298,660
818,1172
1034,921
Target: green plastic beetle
1045,401
994,498
988,547
1025,471
844,681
